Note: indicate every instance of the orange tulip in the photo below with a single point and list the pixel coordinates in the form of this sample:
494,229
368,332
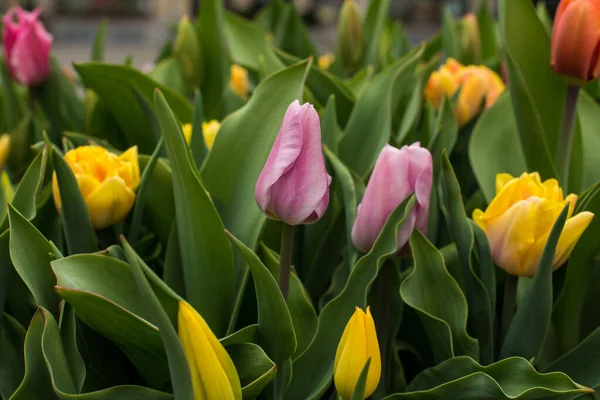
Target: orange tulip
575,39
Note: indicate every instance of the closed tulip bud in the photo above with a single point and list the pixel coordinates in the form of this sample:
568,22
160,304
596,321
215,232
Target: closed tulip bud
470,40
397,174
213,373
519,219
294,184
107,182
575,40
350,35
187,51
357,345
239,81
4,149
325,61
27,46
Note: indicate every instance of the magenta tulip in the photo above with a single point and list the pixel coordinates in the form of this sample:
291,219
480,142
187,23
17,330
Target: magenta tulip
397,174
294,185
27,46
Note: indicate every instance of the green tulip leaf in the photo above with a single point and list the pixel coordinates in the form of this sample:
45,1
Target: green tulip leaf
160,204
68,334
249,334
330,130
207,257
6,269
313,369
31,255
373,113
488,35
168,74
511,378
481,312
254,368
450,39
360,81
99,42
495,147
104,295
588,113
291,34
197,143
444,315
374,25
359,390
113,84
534,312
12,367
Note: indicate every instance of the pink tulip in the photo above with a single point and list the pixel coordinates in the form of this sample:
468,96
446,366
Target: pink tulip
294,185
27,46
397,174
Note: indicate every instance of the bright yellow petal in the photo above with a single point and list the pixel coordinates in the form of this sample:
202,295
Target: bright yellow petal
501,181
372,352
187,133
470,97
131,171
4,149
56,192
109,203
185,336
352,357
574,228
209,131
553,190
479,218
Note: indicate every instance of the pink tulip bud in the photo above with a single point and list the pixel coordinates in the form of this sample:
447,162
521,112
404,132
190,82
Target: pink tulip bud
27,46
397,174
294,185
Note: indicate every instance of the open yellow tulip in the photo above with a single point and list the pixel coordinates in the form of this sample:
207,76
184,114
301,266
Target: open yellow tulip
107,182
519,219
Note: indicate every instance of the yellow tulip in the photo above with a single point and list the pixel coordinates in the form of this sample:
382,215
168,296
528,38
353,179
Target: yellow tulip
441,84
213,374
239,81
326,60
209,131
107,182
4,149
519,219
357,345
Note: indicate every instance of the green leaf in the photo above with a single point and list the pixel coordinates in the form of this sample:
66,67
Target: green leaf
208,268
292,35
178,366
330,130
322,85
487,33
197,144
241,148
511,378
99,41
535,309
168,73
11,103
31,255
359,390
79,233
588,113
12,367
172,270
481,313
113,84
211,31
104,295
160,204
254,368
6,269
450,41
444,315
495,147
373,28
68,335
360,81
538,93
248,334
249,45
373,114
313,369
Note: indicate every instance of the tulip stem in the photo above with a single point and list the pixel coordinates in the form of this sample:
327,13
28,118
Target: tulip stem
510,297
565,142
285,258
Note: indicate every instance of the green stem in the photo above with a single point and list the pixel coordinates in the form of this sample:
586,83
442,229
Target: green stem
285,258
565,141
510,297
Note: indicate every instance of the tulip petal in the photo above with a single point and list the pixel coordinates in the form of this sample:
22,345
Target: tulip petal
574,228
373,353
130,171
501,180
110,202
352,356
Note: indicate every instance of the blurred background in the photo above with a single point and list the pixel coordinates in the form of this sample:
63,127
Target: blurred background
137,28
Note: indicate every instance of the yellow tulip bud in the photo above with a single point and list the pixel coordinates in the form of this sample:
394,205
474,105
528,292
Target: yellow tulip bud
326,60
350,34
7,188
519,219
4,149
470,39
210,130
239,81
107,182
357,345
186,50
213,374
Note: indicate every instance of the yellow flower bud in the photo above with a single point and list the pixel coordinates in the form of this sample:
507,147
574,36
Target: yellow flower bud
213,374
239,81
519,219
209,131
107,182
357,345
350,34
470,39
186,50
4,149
441,84
326,60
